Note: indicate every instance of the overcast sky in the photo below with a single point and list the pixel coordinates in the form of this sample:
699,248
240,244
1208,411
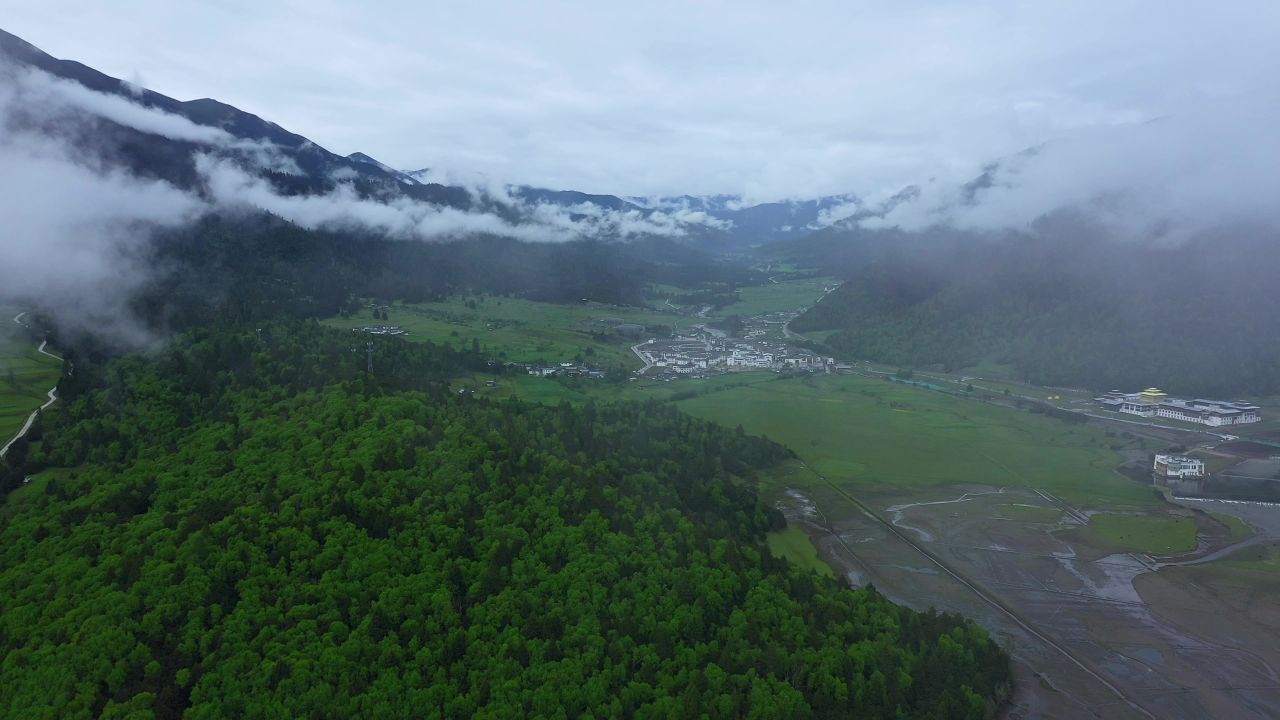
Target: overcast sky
766,99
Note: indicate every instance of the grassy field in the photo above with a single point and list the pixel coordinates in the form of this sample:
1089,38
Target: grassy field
1213,462
819,336
1141,533
793,544
854,430
1239,529
521,330
25,377
783,296
553,390
1023,512
870,432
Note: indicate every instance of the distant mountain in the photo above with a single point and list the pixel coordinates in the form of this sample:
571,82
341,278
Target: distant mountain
403,177
299,166
717,222
148,154
760,223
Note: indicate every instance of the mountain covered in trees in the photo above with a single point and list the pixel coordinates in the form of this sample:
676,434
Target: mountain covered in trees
249,266
1064,304
295,166
246,524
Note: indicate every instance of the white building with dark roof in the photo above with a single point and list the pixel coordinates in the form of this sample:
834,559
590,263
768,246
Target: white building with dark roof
1178,466
1153,402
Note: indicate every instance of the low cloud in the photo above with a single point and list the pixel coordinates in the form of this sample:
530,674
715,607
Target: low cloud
583,219
73,234
230,186
407,219
53,101
1165,177
77,227
837,215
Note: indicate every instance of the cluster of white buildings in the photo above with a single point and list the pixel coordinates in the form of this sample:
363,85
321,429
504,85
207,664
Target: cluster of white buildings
565,369
383,330
1153,402
1178,466
697,355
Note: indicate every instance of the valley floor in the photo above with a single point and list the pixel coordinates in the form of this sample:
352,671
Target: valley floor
1114,601
1020,521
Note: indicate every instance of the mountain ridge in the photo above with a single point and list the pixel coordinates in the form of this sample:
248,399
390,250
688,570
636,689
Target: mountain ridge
717,223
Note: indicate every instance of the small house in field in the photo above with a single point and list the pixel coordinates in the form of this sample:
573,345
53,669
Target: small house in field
1178,466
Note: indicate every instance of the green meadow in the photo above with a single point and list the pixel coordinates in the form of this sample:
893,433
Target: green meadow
854,430
782,296
864,432
25,377
1240,530
819,336
1026,512
867,432
1141,533
521,330
793,544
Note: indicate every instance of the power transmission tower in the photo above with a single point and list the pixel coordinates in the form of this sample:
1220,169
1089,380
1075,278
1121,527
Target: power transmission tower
369,348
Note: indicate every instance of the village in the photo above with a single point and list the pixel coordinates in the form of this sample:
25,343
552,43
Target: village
703,351
758,343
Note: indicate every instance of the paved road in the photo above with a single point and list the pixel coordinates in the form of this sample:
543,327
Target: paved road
788,333
643,358
1107,418
52,394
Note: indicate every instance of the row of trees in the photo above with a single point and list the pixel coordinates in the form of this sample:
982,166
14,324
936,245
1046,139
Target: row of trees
248,525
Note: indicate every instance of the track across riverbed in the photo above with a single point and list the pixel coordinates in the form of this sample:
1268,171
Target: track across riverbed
984,596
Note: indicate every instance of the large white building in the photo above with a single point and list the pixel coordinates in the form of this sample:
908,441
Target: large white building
1153,402
1178,466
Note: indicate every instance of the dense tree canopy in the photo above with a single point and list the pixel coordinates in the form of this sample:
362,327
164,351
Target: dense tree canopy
256,266
246,525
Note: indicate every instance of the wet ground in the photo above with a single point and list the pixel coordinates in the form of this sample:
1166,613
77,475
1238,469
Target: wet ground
1087,641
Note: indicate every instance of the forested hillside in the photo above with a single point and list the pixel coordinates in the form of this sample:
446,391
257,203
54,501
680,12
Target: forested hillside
247,525
1065,308
249,267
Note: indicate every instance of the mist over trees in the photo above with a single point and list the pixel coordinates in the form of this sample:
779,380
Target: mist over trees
1065,304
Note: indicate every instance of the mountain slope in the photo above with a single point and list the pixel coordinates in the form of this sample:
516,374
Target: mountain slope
1066,308
306,167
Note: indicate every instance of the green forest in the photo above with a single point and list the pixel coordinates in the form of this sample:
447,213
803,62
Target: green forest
1073,309
248,524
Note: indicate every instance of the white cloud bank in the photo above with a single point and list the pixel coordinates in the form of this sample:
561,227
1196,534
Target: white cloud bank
756,98
1168,176
75,227
73,234
55,100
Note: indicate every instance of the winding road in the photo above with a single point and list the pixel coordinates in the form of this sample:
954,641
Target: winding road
52,394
